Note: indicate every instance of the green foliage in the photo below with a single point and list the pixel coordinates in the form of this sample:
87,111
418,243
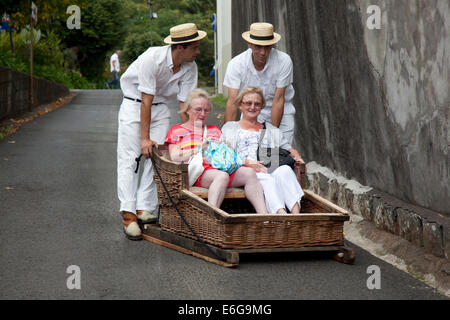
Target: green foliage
80,58
136,43
102,29
189,6
219,101
50,56
174,12
47,57
50,12
8,60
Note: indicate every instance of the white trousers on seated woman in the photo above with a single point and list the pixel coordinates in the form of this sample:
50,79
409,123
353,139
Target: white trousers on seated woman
281,189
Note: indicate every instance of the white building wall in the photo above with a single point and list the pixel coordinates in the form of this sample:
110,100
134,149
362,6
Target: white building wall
224,32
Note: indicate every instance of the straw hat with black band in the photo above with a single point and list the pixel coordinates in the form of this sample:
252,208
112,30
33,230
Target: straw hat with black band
261,33
184,33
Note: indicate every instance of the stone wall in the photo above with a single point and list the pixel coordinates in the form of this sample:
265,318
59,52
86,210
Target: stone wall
424,228
373,105
14,92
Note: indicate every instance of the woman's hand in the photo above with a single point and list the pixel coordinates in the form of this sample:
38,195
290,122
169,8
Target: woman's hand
222,139
296,155
255,165
193,152
204,145
177,155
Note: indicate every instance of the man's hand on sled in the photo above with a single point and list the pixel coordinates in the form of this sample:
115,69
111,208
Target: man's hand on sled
296,155
146,147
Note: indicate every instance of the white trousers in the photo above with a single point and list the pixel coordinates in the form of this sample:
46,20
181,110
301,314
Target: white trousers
137,191
281,189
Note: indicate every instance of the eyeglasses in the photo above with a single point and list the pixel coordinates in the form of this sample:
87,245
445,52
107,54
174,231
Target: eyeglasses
250,103
200,110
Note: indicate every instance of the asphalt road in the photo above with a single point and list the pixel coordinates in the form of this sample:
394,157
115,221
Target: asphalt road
58,207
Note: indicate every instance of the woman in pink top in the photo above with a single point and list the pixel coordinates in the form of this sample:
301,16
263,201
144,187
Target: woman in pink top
183,141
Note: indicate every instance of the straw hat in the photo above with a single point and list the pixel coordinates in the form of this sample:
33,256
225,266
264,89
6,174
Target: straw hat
261,34
184,33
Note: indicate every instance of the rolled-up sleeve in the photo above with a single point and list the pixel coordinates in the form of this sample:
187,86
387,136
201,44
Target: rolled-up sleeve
286,76
188,83
232,75
147,74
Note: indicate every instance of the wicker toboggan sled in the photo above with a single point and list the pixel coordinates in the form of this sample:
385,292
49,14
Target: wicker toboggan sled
221,235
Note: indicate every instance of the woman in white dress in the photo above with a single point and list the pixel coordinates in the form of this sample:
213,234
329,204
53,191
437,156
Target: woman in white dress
281,188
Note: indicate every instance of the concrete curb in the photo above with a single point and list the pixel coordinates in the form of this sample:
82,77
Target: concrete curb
413,239
422,227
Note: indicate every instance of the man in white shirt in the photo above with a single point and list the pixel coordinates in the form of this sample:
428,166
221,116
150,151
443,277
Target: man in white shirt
159,75
269,69
115,70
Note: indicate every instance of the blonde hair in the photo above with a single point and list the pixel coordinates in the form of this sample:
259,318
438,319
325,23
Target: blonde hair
247,91
196,94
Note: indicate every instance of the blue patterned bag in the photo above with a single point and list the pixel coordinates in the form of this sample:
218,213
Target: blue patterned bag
220,156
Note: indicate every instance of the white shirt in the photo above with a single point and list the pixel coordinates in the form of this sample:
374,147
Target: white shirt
152,73
247,144
277,73
273,137
115,58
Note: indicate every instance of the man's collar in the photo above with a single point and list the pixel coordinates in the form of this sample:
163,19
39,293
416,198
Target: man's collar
169,60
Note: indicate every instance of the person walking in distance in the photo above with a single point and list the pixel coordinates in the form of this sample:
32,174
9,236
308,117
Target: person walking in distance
115,70
159,75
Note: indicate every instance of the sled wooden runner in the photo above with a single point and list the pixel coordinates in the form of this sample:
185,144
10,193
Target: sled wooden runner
154,233
230,258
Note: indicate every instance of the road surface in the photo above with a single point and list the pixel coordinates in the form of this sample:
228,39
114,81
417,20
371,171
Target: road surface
59,209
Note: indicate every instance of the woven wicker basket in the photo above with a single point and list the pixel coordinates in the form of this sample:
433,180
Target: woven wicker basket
320,224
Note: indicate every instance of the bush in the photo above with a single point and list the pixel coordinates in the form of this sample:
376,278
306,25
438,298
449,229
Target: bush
136,43
8,60
48,58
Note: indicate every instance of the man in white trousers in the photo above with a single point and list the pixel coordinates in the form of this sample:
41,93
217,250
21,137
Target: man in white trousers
159,75
267,68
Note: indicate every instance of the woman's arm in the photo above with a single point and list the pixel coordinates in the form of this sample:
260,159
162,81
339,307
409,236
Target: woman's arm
178,155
